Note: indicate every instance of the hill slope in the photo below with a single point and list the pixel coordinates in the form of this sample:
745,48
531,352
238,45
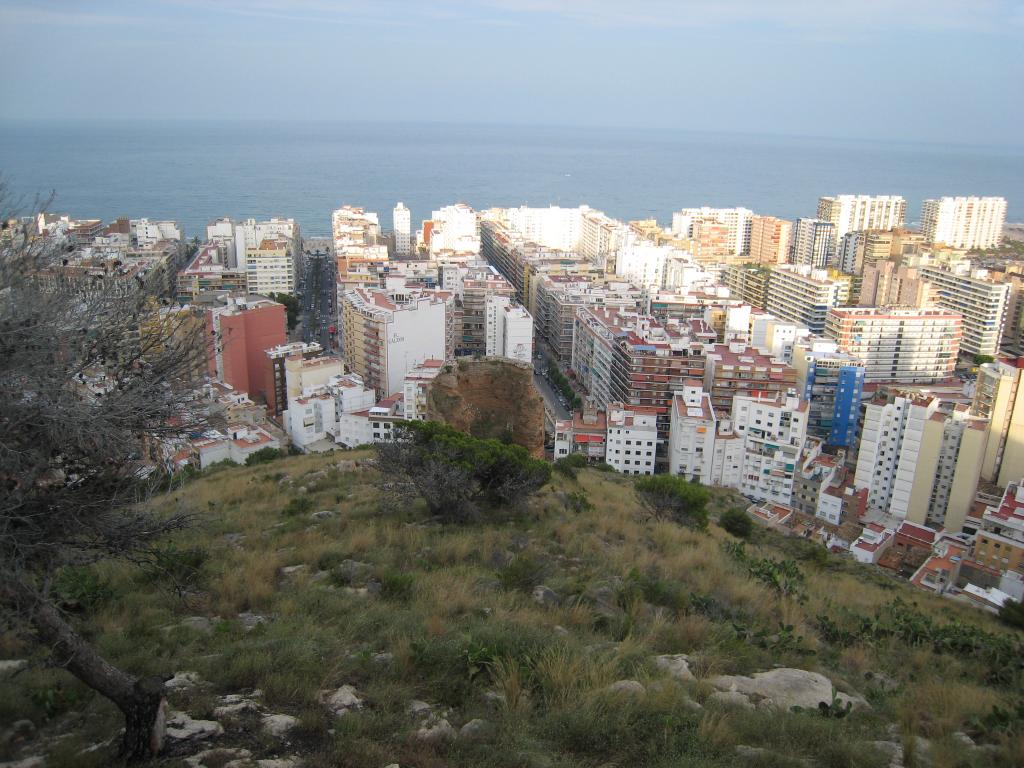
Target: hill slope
321,630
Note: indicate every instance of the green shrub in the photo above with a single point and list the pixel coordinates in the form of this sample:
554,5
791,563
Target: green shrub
570,465
458,475
183,565
81,588
264,456
396,586
737,522
524,571
299,505
673,498
577,502
1012,614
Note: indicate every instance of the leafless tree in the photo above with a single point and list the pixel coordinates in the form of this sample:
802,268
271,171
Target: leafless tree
95,374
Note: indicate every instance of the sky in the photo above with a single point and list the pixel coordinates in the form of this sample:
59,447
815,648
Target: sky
948,71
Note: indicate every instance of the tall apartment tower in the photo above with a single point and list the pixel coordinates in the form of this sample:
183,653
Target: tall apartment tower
402,224
964,222
850,213
770,240
814,243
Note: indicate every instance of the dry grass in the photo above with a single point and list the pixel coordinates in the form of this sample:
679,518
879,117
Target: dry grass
453,634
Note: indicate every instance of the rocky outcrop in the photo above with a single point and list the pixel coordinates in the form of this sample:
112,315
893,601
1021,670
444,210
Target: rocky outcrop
784,689
490,398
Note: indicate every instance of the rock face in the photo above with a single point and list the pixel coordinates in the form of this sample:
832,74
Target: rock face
784,688
677,665
493,397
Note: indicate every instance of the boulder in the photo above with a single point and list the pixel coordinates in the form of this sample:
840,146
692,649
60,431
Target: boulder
36,761
182,680
181,727
251,620
213,758
9,666
342,700
244,707
475,730
278,726
676,664
545,596
435,731
278,762
198,624
419,708
627,688
730,699
785,688
323,514
290,571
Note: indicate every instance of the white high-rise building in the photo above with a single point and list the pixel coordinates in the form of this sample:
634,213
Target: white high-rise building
804,295
964,222
738,221
973,294
402,222
455,230
814,243
145,232
850,213
239,237
645,264
508,329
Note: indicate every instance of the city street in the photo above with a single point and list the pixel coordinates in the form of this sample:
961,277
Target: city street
317,301
547,391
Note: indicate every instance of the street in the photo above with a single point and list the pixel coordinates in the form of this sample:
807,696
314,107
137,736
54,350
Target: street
317,299
551,396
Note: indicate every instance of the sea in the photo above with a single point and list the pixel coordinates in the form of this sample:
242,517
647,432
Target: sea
196,171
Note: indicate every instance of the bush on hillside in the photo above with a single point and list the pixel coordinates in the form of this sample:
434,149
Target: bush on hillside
457,475
669,497
737,522
1012,614
263,456
570,465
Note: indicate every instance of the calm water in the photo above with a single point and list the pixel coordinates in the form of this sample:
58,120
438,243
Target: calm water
195,171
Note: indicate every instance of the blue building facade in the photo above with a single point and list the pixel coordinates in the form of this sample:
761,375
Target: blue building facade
832,385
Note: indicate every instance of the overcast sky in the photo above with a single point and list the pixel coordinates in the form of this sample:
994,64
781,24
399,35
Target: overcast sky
936,70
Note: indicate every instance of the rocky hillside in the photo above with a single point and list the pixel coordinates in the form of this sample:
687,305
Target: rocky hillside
490,398
314,630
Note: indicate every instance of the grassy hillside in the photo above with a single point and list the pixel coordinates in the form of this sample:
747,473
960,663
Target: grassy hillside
406,610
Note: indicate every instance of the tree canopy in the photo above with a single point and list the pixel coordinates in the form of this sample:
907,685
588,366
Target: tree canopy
673,498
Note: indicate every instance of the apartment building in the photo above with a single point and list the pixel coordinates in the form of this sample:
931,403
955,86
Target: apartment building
692,431
585,433
477,287
272,267
814,243
632,439
999,400
947,469
804,295
770,240
356,235
208,272
1000,542
849,213
415,388
238,237
888,283
890,441
454,232
275,373
734,223
627,357
913,346
774,337
241,331
860,249
313,413
508,330
831,382
773,429
981,301
964,222
512,254
401,222
387,334
644,263
749,282
146,233
558,297
738,369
